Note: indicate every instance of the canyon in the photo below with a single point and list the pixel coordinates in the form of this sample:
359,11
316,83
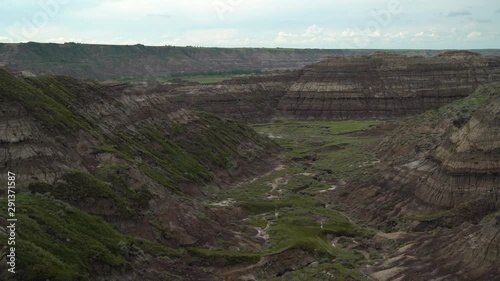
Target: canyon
378,86
139,62
373,167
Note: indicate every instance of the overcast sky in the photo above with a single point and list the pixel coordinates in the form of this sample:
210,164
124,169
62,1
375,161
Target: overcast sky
382,24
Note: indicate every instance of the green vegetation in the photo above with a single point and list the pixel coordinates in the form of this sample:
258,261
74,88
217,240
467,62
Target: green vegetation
424,131
207,77
202,78
317,156
59,242
138,62
300,227
47,103
433,217
157,250
171,153
327,145
179,153
324,271
76,187
226,257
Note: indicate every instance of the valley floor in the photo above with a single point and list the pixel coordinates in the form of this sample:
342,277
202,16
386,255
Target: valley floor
298,234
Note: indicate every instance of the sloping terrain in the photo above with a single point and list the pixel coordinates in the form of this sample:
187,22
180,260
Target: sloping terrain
251,98
377,86
128,157
438,185
385,86
104,62
173,192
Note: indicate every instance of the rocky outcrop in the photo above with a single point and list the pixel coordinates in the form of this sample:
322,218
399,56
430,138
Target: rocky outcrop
439,175
378,86
104,62
384,86
450,156
251,98
125,153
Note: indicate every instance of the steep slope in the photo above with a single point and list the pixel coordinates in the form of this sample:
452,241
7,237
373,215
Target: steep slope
439,176
251,98
378,86
125,155
385,86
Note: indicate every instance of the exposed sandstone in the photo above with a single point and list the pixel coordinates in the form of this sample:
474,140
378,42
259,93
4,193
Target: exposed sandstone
385,86
440,169
251,98
163,155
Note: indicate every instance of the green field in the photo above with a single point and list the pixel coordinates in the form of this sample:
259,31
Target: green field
316,157
201,78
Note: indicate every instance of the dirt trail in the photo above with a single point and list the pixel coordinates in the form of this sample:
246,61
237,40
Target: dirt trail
246,272
235,274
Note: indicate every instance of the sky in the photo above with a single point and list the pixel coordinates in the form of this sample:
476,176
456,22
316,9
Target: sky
329,24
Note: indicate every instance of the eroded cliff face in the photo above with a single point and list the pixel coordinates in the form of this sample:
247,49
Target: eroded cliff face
104,62
379,86
251,98
451,154
128,155
439,176
140,156
385,86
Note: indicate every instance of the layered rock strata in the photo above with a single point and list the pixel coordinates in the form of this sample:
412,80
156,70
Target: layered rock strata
385,86
251,98
125,153
439,175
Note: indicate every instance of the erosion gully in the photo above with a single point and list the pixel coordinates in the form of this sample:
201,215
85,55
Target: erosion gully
301,235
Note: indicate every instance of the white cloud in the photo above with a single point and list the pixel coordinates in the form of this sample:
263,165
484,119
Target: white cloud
284,37
419,34
374,34
312,34
425,35
398,35
131,8
313,30
209,37
474,35
251,23
315,36
59,34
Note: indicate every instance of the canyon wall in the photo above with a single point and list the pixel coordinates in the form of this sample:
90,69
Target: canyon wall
105,62
376,86
126,154
384,86
139,62
438,181
252,98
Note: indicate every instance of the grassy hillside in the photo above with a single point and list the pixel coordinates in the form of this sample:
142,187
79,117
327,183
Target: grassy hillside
425,131
287,203
143,161
59,242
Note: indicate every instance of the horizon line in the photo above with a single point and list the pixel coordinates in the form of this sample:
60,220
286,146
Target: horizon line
246,47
